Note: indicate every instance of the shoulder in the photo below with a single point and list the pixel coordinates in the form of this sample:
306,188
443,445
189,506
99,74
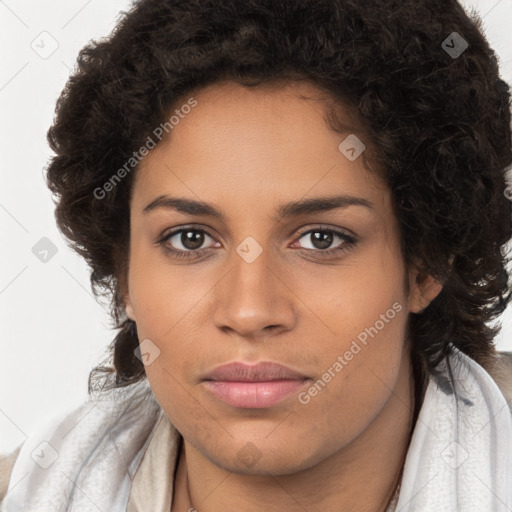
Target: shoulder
500,369
108,421
6,465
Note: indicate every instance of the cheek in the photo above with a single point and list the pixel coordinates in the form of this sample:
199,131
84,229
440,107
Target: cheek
363,309
359,367
167,304
347,299
162,294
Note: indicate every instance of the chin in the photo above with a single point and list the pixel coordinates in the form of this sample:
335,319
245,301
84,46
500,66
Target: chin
254,459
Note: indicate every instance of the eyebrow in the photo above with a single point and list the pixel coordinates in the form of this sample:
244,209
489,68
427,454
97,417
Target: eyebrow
291,209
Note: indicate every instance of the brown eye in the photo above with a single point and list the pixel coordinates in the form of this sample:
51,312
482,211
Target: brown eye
187,239
186,242
191,239
322,239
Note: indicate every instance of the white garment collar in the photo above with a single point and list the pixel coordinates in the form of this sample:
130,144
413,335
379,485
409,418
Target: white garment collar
152,486
460,455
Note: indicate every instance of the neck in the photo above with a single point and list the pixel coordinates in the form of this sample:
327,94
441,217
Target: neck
362,476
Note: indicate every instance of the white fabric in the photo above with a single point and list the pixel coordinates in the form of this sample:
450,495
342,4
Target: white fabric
152,485
460,457
99,447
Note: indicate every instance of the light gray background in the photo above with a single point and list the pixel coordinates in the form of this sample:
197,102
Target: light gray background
53,331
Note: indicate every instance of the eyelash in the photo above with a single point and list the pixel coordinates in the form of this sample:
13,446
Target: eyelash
349,244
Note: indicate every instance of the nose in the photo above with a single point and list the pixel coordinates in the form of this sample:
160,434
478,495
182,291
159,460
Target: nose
253,299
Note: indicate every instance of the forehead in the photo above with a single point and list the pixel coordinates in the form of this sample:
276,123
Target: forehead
243,145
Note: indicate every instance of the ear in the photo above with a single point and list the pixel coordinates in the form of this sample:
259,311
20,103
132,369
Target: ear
423,289
125,294
128,307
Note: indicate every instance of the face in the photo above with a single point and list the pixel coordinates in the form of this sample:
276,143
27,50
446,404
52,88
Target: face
320,291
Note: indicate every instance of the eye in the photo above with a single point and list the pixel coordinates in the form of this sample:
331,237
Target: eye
321,241
185,242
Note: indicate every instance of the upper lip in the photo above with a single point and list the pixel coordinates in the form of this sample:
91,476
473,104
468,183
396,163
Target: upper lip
260,372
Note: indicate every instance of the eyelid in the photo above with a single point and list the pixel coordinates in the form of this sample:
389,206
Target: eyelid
326,227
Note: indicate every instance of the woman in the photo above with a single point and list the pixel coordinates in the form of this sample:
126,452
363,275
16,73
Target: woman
299,210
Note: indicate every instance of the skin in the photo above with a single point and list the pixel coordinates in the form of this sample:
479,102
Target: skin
248,151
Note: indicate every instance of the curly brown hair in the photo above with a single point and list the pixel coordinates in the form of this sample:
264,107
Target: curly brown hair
439,123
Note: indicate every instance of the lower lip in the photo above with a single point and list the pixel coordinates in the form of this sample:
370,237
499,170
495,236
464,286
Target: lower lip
254,395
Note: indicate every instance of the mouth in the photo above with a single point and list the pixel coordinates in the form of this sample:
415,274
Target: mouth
254,386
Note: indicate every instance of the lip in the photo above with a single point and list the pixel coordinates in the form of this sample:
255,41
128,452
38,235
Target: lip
264,371
253,386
